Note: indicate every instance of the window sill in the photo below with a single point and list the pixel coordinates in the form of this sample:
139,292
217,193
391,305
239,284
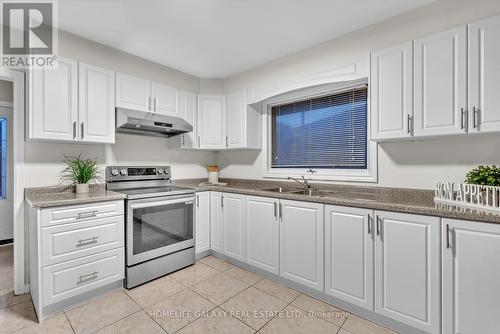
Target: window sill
357,176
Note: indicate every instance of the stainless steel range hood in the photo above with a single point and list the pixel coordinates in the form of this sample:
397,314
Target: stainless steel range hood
150,124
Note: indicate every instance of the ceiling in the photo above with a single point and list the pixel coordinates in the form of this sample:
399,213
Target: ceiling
219,38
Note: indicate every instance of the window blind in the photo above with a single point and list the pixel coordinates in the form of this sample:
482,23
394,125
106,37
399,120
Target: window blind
321,132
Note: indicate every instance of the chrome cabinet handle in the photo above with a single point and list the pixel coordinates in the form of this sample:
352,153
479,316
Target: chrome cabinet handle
475,117
86,278
378,225
464,119
149,103
448,231
154,104
275,210
409,124
222,201
82,127
227,141
87,214
183,142
369,224
281,211
197,201
199,142
74,130
86,242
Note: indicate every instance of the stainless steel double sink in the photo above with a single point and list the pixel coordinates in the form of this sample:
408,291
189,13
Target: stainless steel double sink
304,191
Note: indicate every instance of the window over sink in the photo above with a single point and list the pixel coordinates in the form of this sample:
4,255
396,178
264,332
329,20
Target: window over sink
321,132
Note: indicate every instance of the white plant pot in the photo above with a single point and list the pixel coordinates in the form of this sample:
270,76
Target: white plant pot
82,188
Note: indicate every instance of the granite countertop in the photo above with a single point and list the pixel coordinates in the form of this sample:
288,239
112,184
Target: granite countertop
414,201
44,197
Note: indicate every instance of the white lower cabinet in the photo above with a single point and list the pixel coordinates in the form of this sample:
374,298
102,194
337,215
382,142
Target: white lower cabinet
262,233
216,221
301,243
233,225
349,255
407,269
202,226
470,277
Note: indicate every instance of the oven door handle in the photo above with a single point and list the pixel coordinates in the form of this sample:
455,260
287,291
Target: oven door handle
186,201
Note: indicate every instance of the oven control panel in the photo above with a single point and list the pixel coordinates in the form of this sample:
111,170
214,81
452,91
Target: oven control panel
123,173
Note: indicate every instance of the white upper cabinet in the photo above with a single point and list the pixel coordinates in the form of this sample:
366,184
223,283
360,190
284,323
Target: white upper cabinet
349,255
133,93
301,243
407,269
470,277
392,92
165,100
233,225
53,102
187,111
202,229
243,122
441,83
484,86
211,122
262,233
96,104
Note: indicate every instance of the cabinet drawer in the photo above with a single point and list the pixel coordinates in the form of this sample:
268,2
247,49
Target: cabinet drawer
68,279
70,241
76,213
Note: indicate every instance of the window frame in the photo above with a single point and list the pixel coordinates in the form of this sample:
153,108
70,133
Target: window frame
324,174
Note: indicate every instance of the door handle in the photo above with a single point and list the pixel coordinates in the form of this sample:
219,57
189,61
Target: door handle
369,224
88,214
154,104
227,141
281,211
222,201
183,143
149,103
275,210
378,225
82,128
74,130
475,117
86,242
409,124
89,277
197,201
448,231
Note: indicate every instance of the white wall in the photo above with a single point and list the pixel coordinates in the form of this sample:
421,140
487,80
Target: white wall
412,165
43,161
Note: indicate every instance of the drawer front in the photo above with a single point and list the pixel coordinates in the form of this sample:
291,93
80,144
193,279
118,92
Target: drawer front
76,213
71,241
68,279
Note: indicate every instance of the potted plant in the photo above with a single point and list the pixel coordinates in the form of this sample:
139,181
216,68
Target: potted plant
484,175
80,172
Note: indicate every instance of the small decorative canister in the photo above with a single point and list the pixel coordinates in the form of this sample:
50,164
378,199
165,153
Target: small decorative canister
213,174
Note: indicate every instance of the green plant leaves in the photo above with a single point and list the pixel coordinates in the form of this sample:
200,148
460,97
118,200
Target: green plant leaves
79,170
484,175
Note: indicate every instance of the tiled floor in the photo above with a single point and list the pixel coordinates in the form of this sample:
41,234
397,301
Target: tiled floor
210,297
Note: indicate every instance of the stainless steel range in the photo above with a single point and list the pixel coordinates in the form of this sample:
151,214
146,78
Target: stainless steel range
159,221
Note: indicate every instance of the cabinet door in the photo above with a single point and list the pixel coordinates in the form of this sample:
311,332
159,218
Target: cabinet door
441,83
349,255
484,87
216,221
236,120
407,269
133,93
53,102
202,229
165,100
262,233
188,113
470,277
392,92
301,243
211,121
96,104
233,225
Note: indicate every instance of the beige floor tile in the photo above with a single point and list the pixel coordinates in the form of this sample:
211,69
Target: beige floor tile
322,310
179,310
357,325
17,317
57,324
194,274
277,290
216,263
137,323
218,322
297,321
8,299
155,291
217,289
102,311
243,275
254,307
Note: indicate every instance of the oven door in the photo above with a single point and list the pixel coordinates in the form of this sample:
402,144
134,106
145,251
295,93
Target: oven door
158,226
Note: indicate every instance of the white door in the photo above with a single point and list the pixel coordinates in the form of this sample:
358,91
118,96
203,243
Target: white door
441,83
262,233
211,121
188,113
53,102
233,225
216,221
470,277
236,119
484,71
349,254
96,104
301,243
133,93
165,100
392,92
407,269
202,227
6,172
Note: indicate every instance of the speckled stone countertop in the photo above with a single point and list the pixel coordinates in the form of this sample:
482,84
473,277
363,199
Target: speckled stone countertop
44,197
378,198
